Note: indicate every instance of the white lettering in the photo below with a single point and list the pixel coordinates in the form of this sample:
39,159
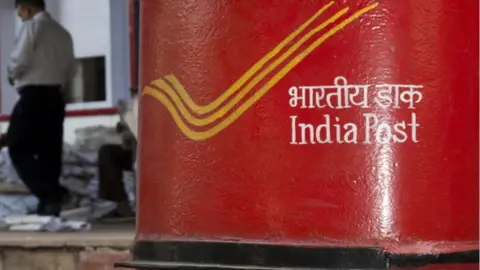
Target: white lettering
401,135
414,126
371,121
383,134
295,97
326,131
293,136
303,128
342,96
351,135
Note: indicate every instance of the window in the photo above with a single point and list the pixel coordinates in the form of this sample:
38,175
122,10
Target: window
89,84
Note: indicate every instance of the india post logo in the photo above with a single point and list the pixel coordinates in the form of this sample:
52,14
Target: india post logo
201,122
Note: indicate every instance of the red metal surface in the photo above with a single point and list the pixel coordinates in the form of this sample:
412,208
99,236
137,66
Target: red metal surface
247,181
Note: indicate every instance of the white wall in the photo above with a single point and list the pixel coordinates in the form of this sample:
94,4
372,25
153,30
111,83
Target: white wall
89,23
98,27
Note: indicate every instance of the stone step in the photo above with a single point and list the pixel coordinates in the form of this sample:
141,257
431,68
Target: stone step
95,250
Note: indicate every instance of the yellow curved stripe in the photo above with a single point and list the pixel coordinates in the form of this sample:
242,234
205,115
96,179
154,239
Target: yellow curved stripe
200,122
203,135
203,109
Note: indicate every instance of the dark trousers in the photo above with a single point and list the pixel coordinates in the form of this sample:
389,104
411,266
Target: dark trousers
35,140
113,159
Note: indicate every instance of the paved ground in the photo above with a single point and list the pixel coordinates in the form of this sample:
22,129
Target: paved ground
111,235
98,249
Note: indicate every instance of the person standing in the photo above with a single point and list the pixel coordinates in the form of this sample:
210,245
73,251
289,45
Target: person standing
42,64
114,159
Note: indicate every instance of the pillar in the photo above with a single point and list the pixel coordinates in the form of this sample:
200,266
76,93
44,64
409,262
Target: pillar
308,135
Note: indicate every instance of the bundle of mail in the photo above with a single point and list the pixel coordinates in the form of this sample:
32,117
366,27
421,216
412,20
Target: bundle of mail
42,223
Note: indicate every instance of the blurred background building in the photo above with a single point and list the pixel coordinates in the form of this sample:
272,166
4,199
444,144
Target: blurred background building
103,36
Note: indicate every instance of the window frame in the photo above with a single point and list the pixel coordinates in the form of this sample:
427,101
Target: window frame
89,105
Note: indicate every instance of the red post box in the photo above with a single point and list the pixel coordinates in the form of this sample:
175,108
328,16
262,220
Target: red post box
308,134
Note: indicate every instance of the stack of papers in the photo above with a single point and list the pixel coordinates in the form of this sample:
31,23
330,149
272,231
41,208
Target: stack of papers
34,223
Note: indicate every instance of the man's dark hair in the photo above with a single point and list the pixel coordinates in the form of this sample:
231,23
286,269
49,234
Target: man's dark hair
35,3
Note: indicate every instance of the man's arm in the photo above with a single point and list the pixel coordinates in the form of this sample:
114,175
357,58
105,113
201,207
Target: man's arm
22,55
72,67
72,70
70,75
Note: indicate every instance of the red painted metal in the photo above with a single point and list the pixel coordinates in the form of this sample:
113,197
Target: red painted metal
249,182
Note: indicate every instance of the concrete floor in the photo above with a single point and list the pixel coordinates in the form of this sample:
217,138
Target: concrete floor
99,248
108,235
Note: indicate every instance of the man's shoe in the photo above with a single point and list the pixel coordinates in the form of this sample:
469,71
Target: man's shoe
50,209
116,217
123,213
54,209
